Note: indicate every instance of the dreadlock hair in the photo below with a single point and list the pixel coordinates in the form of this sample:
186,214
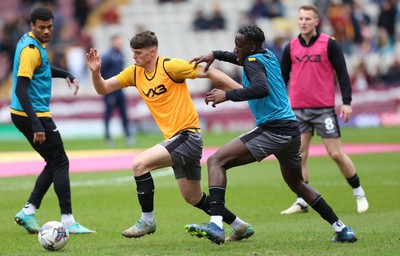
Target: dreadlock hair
253,33
144,39
41,13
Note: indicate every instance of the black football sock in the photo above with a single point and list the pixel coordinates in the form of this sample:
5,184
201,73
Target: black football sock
204,205
354,181
326,212
145,192
217,195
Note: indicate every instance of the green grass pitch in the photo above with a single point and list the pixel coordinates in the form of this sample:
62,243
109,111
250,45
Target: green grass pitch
107,202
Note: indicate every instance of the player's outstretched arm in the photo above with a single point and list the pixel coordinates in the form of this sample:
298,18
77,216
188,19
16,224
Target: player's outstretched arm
101,86
221,80
208,58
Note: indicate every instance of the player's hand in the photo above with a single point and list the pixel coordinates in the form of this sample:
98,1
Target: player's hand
208,58
215,96
39,137
93,60
345,112
76,84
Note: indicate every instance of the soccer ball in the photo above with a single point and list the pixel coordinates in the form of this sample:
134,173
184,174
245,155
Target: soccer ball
53,235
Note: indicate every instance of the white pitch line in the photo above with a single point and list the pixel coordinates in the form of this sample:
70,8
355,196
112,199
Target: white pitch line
27,185
97,182
119,180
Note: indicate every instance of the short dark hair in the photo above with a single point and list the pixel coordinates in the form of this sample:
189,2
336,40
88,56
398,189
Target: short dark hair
41,13
143,40
253,33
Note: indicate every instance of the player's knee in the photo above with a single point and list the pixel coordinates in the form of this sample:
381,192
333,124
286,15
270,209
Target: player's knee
299,187
58,160
336,155
304,157
62,158
295,184
213,160
139,167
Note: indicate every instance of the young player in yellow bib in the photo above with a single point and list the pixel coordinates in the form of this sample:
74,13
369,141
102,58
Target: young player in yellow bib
161,84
